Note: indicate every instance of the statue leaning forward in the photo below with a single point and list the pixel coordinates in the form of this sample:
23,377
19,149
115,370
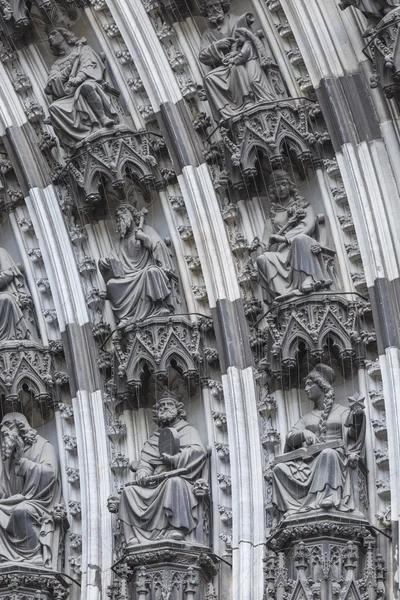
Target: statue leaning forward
31,516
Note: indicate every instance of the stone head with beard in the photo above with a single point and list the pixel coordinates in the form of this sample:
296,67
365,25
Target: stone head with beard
127,217
14,431
214,10
168,410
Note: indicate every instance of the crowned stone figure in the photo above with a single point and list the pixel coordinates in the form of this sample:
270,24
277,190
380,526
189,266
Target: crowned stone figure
237,59
77,86
320,451
163,502
140,277
30,495
291,262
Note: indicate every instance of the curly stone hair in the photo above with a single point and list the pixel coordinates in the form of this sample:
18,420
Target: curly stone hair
68,35
225,5
27,433
170,396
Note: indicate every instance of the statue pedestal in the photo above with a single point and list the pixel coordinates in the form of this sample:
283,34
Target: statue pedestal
326,555
22,582
166,568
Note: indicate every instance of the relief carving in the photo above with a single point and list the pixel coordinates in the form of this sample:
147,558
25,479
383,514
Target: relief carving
31,516
76,84
140,279
292,259
163,502
322,451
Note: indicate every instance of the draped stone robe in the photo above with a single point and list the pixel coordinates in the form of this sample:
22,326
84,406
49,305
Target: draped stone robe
300,485
148,512
231,88
13,325
28,493
286,266
145,290
72,117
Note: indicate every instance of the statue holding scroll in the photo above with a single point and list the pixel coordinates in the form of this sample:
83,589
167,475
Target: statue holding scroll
30,493
291,262
320,451
140,278
163,502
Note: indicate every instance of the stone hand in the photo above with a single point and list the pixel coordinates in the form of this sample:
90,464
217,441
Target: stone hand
168,459
353,460
141,477
139,235
275,238
74,82
104,264
309,437
224,44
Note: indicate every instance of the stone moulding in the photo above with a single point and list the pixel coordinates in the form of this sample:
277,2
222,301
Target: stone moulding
314,320
106,157
155,344
19,582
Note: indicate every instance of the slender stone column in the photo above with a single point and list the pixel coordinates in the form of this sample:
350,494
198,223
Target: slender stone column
222,288
58,257
361,129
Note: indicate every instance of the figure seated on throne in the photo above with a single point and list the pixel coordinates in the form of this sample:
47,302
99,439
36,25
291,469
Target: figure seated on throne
31,516
140,278
292,260
238,60
78,89
163,502
321,450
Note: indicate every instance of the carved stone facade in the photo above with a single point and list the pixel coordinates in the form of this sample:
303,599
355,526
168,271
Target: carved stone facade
199,323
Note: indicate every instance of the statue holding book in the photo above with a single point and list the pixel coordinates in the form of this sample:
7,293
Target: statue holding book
140,277
163,501
320,451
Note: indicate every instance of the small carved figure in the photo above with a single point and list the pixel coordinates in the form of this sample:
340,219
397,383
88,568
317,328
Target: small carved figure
13,294
238,60
30,494
77,87
373,10
162,502
140,280
322,448
291,263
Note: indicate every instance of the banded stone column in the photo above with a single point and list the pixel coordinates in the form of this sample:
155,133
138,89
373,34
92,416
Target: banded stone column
368,152
79,347
223,293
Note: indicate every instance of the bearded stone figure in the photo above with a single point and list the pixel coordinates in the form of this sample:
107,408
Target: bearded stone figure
139,278
238,60
13,325
163,501
30,493
291,263
76,84
322,448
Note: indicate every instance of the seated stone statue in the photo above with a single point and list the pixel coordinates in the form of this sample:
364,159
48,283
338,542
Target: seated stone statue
163,502
373,10
30,493
76,85
329,441
291,263
13,325
238,59
139,278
